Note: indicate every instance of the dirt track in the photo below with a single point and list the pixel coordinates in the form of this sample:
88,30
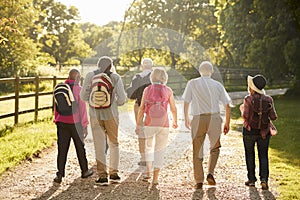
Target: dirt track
34,179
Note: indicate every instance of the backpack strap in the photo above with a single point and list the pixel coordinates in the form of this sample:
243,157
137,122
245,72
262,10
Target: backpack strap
72,84
260,111
97,71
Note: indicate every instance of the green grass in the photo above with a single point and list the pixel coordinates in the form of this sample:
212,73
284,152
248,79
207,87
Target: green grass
24,142
284,151
284,148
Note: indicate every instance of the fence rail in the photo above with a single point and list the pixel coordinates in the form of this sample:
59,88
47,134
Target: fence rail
177,81
17,96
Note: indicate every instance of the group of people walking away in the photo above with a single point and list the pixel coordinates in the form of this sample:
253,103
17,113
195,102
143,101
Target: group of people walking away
104,91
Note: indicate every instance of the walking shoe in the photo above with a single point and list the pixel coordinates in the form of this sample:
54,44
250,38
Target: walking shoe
142,163
210,179
58,178
87,173
198,186
264,185
115,178
250,183
102,181
155,182
146,178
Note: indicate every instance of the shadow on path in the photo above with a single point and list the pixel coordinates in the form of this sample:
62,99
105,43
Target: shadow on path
132,187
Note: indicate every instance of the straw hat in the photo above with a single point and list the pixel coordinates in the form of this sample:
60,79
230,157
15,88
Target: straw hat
257,83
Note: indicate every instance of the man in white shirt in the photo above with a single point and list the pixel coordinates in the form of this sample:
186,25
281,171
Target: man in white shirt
204,95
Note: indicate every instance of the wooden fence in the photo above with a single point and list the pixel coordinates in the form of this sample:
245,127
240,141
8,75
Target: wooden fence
230,77
17,96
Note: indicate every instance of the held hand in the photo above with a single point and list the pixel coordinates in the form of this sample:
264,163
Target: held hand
226,128
85,132
174,125
242,108
188,124
138,129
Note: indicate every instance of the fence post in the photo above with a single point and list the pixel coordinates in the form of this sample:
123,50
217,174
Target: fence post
17,88
81,81
54,84
36,105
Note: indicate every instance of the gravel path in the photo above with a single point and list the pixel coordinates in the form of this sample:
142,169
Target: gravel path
34,179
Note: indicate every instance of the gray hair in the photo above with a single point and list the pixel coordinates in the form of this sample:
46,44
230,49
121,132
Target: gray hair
206,68
147,63
105,63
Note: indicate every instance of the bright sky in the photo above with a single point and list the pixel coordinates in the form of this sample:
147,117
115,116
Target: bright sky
99,12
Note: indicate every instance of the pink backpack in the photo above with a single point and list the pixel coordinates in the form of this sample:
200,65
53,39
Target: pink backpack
156,101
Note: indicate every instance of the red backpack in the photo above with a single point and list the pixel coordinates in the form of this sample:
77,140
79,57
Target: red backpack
156,101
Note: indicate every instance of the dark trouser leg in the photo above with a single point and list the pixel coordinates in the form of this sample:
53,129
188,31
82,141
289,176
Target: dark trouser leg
77,136
63,144
249,142
263,147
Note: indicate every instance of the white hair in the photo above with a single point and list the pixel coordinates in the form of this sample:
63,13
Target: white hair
147,63
206,68
159,74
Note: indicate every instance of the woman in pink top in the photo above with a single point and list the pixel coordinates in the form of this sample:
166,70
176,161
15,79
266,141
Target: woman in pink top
72,126
155,101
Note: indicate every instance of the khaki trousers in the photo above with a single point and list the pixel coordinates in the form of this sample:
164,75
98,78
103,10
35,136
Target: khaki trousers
141,137
102,129
202,125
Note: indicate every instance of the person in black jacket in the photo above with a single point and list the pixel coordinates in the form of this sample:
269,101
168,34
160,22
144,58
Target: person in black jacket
135,91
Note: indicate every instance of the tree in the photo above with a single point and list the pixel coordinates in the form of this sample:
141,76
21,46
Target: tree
17,50
190,19
264,34
61,37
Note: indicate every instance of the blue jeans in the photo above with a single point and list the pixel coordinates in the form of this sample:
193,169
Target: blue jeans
249,139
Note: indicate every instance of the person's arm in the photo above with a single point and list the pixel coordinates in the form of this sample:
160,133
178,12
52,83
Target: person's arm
246,108
140,115
187,98
273,114
227,119
173,110
186,115
246,111
82,112
86,87
55,113
121,95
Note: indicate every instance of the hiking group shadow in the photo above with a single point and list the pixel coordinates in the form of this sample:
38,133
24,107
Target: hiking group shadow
133,187
200,194
254,194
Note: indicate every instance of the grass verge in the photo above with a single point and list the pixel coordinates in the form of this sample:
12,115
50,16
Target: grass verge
24,142
284,148
284,151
